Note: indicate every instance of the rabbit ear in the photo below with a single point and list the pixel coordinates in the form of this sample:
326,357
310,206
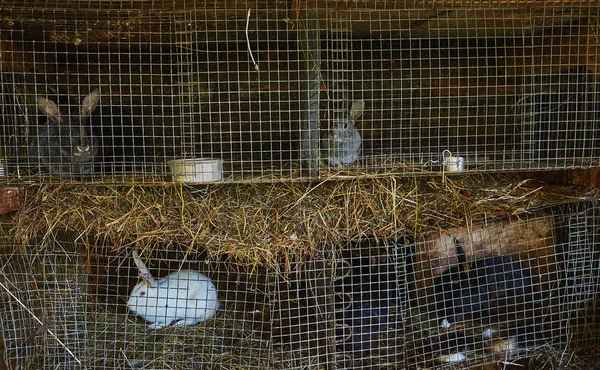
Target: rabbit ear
89,103
357,109
49,108
144,272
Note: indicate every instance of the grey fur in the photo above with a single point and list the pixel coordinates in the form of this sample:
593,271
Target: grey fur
343,145
64,143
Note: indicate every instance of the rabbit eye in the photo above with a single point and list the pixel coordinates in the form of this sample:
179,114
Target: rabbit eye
142,294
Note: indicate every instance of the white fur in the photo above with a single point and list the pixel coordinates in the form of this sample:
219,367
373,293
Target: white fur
489,333
454,357
445,324
181,299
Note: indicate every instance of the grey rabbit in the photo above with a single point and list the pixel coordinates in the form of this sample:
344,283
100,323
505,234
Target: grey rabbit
344,141
65,142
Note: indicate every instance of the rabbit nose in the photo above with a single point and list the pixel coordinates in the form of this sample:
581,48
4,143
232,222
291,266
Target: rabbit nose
83,149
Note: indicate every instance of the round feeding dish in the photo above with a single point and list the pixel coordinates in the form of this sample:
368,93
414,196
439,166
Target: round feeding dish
196,170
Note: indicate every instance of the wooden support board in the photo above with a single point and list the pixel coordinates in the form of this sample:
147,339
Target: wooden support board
529,240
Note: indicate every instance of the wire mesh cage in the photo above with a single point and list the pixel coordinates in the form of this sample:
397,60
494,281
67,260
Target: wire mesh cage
344,310
507,289
20,344
293,90
235,330
87,318
557,121
43,320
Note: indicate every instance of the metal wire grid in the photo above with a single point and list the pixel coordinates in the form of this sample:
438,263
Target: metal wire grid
455,90
367,305
342,312
245,85
580,257
92,4
512,297
82,299
18,326
42,294
247,110
64,55
559,118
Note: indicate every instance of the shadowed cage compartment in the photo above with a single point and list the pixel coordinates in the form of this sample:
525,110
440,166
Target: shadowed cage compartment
559,118
343,309
506,289
22,343
277,90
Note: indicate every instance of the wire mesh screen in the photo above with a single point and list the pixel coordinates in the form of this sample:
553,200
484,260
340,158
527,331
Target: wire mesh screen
43,320
506,290
343,312
88,92
19,328
235,330
559,115
98,91
499,291
89,320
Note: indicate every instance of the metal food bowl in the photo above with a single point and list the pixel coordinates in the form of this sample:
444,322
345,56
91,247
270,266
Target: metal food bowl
196,170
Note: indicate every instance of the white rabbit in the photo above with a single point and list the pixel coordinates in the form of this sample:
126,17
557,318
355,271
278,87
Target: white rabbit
180,299
344,141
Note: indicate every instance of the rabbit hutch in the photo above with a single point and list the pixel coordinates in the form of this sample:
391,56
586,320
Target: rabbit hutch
298,184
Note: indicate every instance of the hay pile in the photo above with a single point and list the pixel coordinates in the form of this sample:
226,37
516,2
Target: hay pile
260,224
122,343
265,224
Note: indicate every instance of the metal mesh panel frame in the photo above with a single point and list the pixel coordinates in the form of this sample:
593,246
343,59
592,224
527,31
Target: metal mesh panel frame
343,309
81,296
555,250
267,89
358,305
47,312
23,347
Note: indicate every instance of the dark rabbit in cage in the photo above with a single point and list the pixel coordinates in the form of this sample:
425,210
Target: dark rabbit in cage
65,142
85,140
491,286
